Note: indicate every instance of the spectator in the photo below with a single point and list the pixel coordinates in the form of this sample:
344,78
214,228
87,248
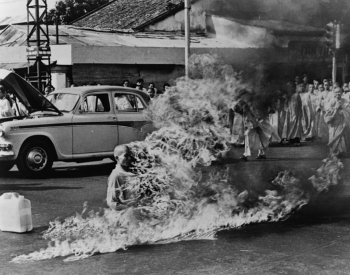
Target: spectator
5,104
297,80
166,87
126,83
305,80
48,89
337,117
139,85
294,115
151,91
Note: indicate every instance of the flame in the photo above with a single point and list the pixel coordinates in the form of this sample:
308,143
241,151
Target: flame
170,199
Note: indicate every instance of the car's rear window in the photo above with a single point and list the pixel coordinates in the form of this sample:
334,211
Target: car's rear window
127,103
98,103
63,102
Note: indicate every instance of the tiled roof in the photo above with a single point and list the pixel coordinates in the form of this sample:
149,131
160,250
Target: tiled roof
128,15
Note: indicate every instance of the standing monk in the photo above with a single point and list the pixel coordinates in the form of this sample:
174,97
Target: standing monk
258,133
337,117
294,117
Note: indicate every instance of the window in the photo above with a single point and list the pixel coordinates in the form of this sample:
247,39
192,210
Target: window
128,103
63,102
96,104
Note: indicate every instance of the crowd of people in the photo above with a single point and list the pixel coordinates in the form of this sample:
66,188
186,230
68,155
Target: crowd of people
151,90
301,111
11,106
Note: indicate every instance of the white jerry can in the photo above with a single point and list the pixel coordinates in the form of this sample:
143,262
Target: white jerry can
15,213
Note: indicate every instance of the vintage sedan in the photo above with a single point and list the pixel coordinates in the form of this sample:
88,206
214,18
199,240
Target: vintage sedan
73,124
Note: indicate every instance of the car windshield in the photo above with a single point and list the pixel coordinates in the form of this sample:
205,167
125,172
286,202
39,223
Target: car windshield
63,102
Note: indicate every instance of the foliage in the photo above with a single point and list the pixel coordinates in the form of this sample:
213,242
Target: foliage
69,10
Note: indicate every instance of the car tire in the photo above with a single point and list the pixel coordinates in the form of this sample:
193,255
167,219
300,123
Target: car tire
35,159
6,166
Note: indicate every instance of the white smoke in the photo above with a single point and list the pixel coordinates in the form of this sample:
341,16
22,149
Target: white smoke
169,198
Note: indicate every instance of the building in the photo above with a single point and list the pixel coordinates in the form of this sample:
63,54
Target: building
145,39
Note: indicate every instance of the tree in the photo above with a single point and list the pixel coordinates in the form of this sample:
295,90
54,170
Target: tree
68,10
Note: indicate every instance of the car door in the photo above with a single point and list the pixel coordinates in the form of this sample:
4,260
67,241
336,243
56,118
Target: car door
95,127
132,124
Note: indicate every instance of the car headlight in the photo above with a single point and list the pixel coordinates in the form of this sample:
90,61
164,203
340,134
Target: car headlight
6,147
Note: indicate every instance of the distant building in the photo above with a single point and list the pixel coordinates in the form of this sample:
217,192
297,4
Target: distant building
144,39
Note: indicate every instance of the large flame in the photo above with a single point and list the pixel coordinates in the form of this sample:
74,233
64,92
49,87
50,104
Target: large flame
170,199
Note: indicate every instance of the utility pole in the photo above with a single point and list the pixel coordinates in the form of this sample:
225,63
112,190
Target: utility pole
333,42
187,36
38,44
335,53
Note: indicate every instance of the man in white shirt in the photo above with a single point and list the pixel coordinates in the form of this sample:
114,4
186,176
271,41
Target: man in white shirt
5,106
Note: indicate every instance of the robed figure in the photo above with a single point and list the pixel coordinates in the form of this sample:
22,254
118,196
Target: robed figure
337,117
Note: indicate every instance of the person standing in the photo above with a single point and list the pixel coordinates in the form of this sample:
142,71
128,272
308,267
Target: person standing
307,99
323,98
346,93
257,134
236,124
151,91
337,117
5,105
48,89
139,85
126,83
294,117
166,88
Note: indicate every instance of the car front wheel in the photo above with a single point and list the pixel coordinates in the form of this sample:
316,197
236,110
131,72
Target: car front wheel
35,159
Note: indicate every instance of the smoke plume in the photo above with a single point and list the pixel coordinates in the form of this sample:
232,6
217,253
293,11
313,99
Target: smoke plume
171,199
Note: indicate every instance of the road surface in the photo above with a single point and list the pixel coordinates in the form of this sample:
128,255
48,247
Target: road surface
315,240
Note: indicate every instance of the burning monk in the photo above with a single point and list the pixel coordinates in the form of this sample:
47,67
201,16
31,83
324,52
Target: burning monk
337,117
117,195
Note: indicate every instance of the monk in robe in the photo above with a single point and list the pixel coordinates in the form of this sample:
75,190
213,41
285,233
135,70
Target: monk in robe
294,117
258,133
236,124
308,112
323,99
337,117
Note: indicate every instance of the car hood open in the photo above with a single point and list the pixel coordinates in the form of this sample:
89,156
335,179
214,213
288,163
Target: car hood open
32,99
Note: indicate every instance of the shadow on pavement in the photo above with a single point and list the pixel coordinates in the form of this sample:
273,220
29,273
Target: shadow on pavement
86,170
71,171
32,187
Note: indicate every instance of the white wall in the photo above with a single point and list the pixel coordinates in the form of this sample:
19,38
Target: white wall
18,54
62,54
127,55
58,80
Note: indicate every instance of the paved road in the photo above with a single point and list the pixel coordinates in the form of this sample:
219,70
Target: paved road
314,241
